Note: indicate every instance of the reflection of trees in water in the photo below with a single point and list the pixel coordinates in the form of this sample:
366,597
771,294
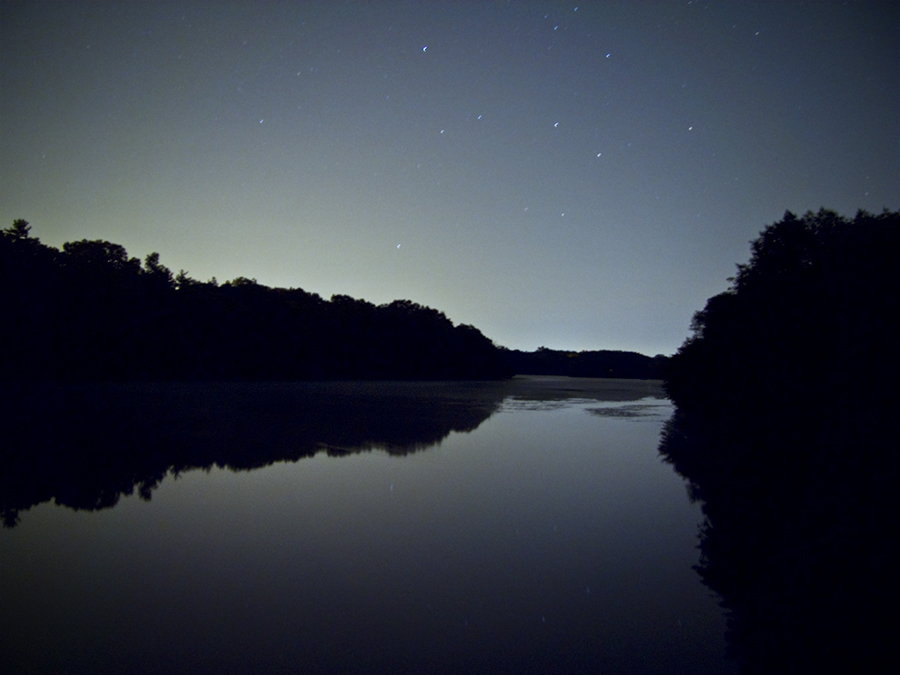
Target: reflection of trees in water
798,547
86,445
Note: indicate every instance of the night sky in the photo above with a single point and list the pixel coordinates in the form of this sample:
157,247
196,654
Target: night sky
578,176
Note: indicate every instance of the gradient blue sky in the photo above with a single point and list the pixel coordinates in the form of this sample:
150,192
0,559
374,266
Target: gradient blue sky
574,175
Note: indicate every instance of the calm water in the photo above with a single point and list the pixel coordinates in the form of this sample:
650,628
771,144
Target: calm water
514,527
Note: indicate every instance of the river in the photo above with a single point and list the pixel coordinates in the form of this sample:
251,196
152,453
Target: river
512,527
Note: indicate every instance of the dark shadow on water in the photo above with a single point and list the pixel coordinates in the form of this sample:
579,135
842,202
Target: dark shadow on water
797,542
86,445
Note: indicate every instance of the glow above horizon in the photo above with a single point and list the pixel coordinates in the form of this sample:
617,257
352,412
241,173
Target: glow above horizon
579,177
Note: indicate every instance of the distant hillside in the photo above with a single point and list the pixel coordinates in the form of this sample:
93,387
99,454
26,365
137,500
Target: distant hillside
617,364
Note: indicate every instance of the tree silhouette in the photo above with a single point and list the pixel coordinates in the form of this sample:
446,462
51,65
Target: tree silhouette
785,427
20,229
92,312
99,255
158,271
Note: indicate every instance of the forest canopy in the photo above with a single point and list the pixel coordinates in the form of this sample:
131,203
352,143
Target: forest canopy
89,311
786,427
814,307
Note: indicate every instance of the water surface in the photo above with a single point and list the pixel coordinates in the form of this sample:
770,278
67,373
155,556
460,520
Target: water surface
392,527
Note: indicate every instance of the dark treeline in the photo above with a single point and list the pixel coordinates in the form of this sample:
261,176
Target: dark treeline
786,428
91,312
603,363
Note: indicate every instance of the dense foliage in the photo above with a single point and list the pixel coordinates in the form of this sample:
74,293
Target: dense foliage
786,428
89,311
